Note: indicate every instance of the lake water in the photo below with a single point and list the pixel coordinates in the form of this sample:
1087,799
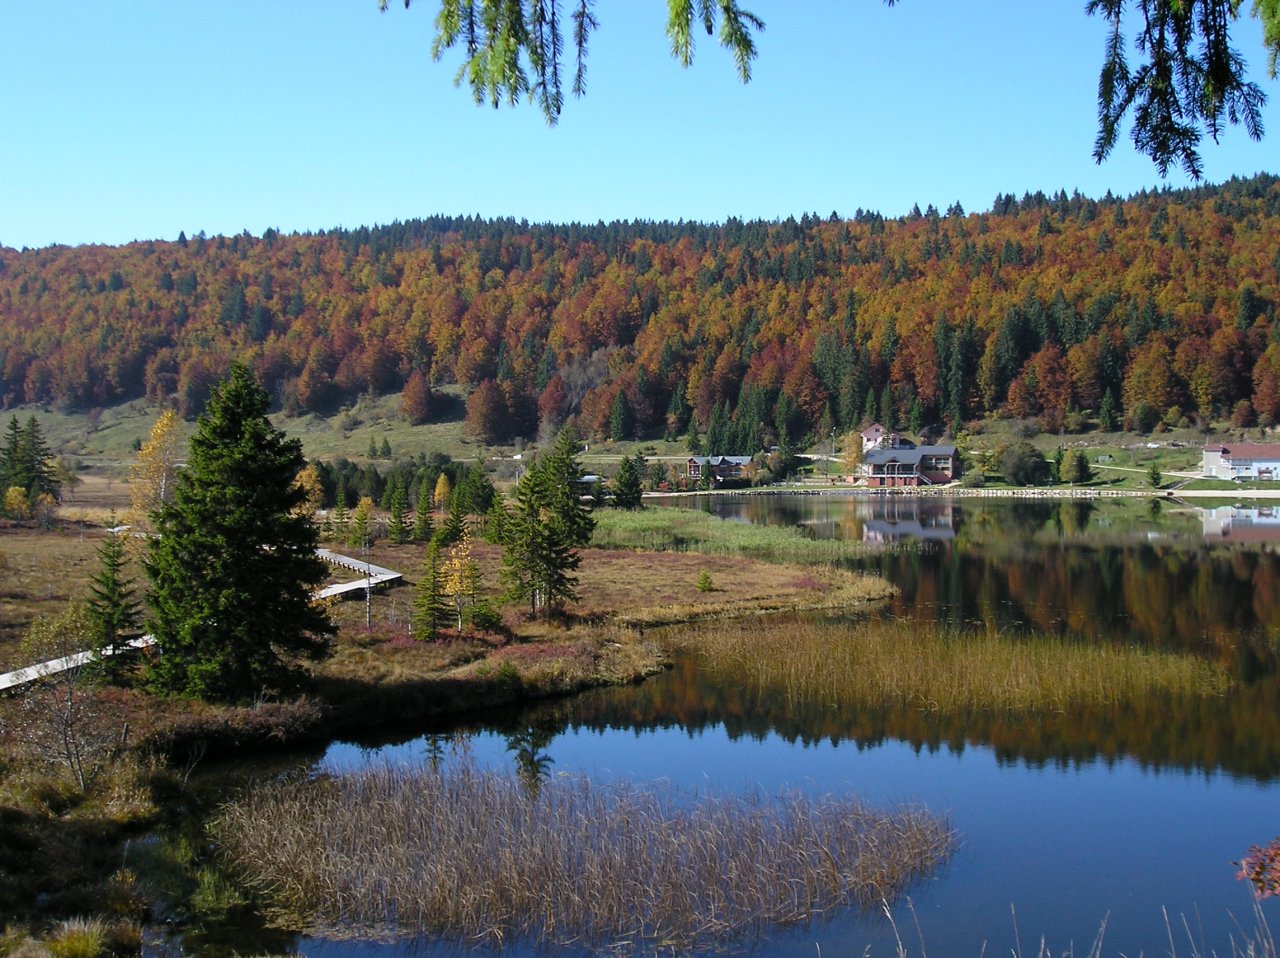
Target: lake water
1130,818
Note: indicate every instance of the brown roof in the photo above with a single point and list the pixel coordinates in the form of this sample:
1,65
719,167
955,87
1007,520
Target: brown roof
1250,450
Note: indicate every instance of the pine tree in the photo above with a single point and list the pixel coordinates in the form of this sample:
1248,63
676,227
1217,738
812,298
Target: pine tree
397,526
10,476
544,529
423,525
361,532
429,610
233,567
112,607
627,493
1108,415
25,461
340,520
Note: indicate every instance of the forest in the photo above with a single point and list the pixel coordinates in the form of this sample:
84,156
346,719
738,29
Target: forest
1079,313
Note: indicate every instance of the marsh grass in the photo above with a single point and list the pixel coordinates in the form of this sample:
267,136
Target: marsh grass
878,663
471,854
669,529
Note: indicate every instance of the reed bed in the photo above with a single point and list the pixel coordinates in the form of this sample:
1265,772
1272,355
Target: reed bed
461,852
668,529
878,663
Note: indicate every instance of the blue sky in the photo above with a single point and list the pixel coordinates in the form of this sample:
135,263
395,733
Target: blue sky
135,120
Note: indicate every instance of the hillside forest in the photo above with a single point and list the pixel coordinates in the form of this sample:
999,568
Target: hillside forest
1077,312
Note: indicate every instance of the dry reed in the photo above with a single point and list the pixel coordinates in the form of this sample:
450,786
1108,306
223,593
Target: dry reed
474,854
874,663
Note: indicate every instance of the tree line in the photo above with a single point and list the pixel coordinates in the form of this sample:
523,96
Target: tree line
1081,313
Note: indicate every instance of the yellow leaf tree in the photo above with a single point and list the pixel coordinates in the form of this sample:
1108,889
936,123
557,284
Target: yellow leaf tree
151,480
459,575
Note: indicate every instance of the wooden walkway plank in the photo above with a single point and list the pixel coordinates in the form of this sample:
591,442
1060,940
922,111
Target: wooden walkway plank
374,576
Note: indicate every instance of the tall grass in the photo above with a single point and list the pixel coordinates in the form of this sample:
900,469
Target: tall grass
877,663
667,529
472,854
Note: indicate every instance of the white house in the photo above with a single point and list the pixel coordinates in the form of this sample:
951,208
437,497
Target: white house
1242,460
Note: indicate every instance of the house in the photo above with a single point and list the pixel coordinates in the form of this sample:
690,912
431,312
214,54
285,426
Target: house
717,467
876,436
910,466
1242,460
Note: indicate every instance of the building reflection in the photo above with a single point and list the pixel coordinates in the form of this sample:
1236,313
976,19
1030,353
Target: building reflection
1241,524
893,518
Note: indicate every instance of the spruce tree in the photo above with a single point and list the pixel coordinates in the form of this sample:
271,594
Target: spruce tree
627,493
397,525
423,525
544,529
233,567
112,607
430,611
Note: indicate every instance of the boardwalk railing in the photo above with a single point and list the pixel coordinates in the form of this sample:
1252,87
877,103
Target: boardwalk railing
374,576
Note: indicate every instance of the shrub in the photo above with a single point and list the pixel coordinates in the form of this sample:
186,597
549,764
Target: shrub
1022,465
78,938
704,582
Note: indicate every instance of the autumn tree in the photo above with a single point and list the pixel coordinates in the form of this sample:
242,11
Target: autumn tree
152,477
459,575
851,454
415,400
233,565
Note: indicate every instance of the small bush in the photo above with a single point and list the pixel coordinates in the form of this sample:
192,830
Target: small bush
704,582
78,938
484,617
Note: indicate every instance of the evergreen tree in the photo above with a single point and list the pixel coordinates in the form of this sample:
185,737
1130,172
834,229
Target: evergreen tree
451,529
361,532
233,566
397,525
544,530
10,473
1108,415
1078,469
622,420
112,607
423,524
430,612
26,463
626,484
340,520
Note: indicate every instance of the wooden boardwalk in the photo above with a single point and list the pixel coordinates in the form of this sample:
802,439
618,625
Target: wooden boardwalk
374,576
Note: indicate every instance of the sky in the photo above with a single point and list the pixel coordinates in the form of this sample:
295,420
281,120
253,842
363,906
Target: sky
142,118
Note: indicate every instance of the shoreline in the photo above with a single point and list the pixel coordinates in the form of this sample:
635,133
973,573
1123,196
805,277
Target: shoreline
960,492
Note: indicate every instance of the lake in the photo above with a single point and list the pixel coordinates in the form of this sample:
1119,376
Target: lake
1130,818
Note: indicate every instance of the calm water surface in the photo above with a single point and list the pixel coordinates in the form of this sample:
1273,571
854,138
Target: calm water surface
1065,822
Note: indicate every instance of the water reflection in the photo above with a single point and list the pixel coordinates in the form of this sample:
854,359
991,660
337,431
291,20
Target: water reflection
1241,524
1109,570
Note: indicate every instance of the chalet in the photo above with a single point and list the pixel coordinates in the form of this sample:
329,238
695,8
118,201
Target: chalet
1242,460
717,467
910,466
876,436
